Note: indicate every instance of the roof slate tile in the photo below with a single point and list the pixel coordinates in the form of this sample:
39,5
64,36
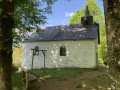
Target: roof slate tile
65,32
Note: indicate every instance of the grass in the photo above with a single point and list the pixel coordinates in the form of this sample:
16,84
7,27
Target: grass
94,79
61,74
49,74
79,85
16,79
17,56
17,61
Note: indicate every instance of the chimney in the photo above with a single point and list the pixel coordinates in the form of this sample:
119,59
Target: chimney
87,20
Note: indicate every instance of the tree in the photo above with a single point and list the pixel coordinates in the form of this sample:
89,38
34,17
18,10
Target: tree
97,17
29,13
112,20
17,14
6,25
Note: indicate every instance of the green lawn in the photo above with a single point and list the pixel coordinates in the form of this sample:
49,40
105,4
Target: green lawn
64,74
17,60
60,75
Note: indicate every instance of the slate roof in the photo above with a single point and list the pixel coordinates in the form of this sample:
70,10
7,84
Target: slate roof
65,32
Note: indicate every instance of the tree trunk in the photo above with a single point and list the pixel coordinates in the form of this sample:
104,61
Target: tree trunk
6,25
112,19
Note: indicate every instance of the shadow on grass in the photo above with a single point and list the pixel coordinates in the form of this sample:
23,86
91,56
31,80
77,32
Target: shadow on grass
16,78
56,74
61,74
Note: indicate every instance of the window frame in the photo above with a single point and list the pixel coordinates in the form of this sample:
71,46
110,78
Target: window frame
62,50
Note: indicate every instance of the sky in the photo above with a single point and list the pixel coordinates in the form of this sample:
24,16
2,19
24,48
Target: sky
63,11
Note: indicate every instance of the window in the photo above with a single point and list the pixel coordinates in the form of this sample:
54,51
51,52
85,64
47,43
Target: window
62,50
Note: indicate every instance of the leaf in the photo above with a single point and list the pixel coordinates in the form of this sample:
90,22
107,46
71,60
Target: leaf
98,17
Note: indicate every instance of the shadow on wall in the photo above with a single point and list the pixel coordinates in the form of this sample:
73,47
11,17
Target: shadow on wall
76,53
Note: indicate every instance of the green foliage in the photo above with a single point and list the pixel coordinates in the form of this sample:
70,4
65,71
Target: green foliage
94,11
98,17
29,13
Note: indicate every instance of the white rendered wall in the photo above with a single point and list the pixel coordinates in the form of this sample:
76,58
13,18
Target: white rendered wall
80,53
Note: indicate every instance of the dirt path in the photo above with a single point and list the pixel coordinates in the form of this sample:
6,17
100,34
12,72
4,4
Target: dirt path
86,81
97,80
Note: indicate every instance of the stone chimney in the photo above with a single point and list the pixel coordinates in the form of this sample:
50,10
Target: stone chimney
87,20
